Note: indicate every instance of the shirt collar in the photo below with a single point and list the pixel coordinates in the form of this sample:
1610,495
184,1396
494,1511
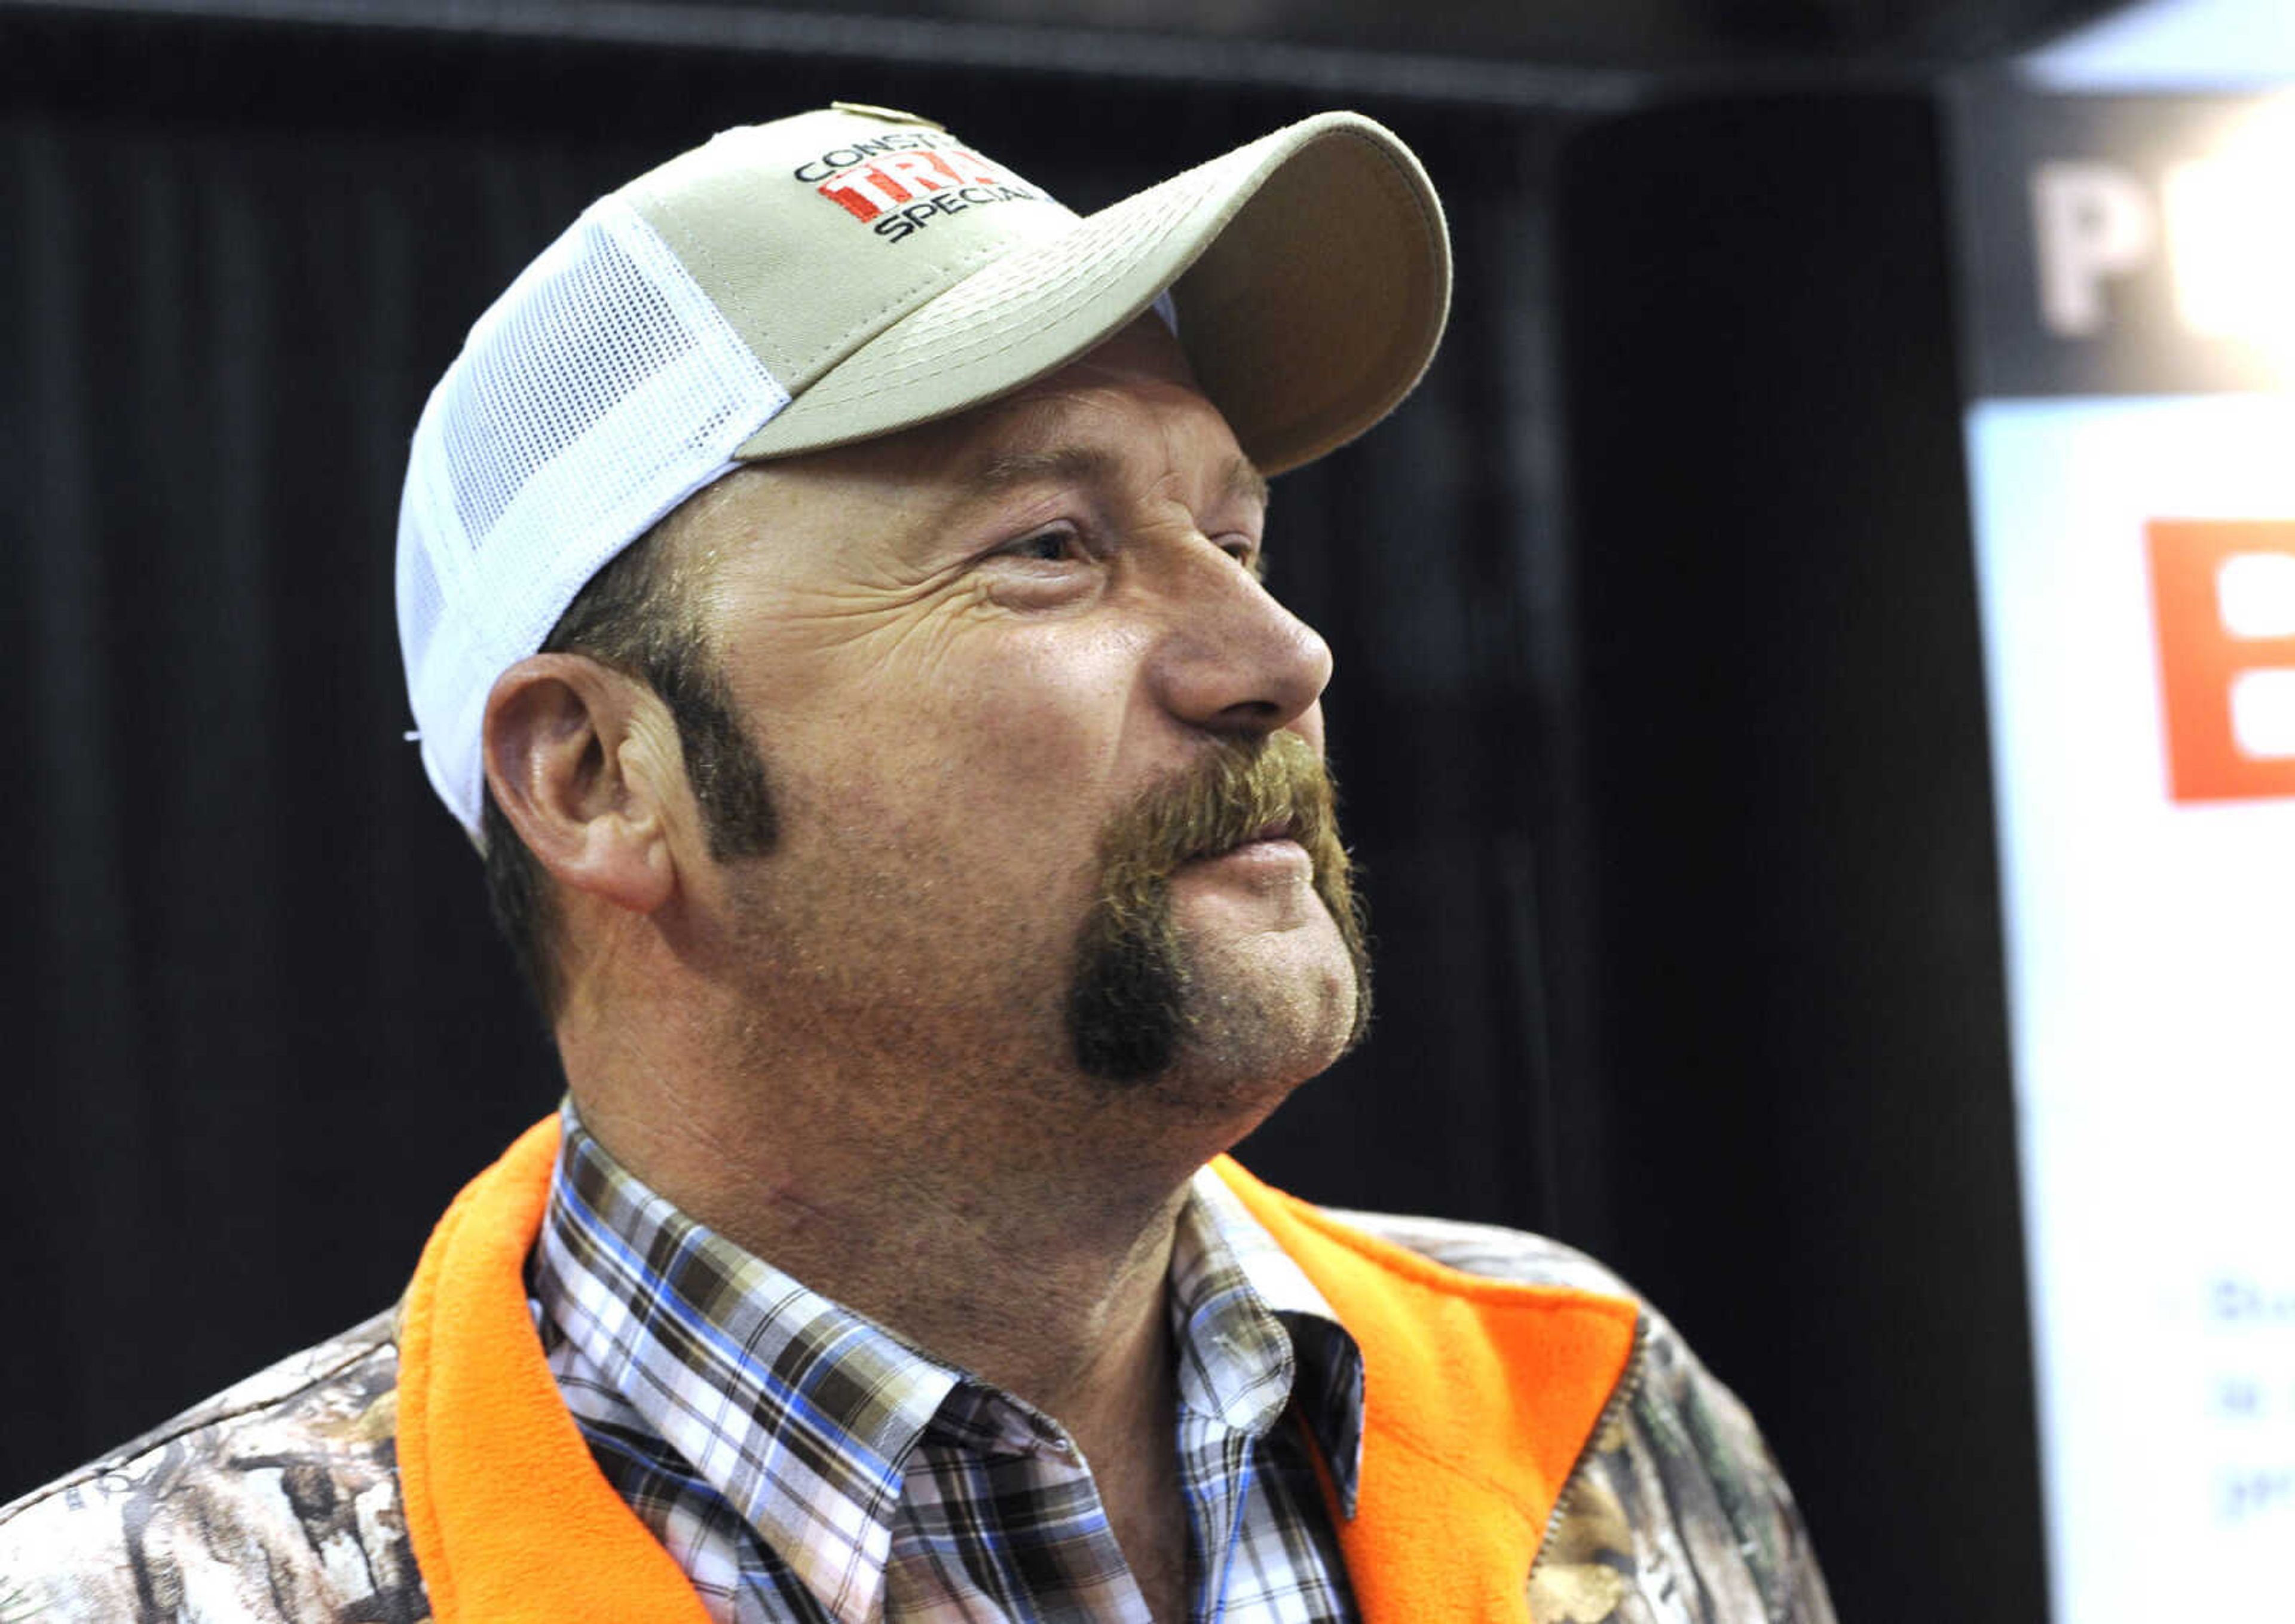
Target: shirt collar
804,1413
1253,1333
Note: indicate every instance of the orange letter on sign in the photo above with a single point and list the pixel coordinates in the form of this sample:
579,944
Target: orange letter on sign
2204,652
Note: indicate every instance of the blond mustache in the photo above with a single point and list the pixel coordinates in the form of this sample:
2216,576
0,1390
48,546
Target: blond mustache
1128,1014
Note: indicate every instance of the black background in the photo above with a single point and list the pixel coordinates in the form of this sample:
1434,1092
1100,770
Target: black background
1659,712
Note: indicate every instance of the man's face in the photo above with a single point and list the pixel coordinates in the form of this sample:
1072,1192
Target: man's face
992,665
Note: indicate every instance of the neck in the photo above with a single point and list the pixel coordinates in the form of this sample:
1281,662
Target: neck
932,1204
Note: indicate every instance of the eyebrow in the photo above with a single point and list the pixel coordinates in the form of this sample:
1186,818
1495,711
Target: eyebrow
1090,465
1243,479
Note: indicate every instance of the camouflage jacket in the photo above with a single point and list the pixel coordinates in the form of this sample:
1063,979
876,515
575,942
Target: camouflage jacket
278,1499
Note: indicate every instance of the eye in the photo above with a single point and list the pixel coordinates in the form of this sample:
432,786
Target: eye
1053,544
1246,551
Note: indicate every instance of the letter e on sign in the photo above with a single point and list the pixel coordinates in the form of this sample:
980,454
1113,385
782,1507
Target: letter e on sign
2223,603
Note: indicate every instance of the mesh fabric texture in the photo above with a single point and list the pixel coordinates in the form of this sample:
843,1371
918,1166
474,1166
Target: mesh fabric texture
601,390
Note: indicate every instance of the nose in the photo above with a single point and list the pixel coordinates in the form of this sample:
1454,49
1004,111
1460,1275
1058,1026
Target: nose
1233,660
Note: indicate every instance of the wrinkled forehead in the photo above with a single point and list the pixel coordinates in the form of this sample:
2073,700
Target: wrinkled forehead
1134,396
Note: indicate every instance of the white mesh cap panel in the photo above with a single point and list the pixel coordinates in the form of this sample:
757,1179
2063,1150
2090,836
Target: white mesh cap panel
601,390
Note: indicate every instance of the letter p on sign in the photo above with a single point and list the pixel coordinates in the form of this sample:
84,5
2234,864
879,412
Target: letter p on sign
2092,223
2223,599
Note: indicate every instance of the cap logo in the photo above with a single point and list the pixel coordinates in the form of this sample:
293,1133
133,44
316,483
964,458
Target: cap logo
898,184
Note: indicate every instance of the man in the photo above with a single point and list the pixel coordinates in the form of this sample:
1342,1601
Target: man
831,587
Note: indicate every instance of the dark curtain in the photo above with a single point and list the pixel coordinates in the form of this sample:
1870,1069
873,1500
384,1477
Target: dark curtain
1657,713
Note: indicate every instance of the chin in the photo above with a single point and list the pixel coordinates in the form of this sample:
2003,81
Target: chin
1248,1047
1222,1020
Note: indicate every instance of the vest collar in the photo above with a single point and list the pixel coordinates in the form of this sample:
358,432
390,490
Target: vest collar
1479,1397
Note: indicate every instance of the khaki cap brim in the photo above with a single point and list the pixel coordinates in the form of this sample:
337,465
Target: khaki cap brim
1310,271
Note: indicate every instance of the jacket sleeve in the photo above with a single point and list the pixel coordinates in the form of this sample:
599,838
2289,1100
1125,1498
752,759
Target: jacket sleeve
276,1500
1681,1516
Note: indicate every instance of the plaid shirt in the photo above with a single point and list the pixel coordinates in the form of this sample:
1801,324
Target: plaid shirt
801,1462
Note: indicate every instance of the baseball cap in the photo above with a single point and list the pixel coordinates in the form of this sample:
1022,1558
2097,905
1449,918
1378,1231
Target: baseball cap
844,273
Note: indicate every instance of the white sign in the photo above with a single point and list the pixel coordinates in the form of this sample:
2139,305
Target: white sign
2136,565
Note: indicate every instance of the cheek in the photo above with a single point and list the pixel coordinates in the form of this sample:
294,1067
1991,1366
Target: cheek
1052,708
1040,711
1004,749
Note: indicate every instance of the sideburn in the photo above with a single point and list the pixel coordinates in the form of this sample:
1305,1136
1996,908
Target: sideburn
1128,1009
721,759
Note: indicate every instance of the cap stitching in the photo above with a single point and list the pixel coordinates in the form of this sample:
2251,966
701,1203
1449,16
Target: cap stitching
948,273
1104,268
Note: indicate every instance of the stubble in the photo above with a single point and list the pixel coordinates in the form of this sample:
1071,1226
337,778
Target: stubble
1133,1004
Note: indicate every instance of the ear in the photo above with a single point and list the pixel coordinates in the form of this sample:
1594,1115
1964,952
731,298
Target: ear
584,761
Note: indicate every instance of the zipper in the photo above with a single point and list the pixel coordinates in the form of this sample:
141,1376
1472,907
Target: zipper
1621,1395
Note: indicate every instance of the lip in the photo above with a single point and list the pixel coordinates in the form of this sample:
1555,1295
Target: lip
1280,830
1277,849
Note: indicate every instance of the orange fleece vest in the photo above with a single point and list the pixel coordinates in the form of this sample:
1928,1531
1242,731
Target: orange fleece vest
1480,1395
